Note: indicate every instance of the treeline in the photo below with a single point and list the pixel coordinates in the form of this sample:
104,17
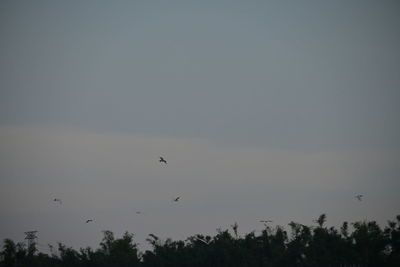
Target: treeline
367,244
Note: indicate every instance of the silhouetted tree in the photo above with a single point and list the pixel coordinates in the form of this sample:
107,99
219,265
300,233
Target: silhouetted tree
307,246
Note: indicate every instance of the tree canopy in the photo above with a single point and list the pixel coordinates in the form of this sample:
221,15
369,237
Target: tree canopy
303,246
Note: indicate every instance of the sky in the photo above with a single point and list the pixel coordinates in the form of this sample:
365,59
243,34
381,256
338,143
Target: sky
264,110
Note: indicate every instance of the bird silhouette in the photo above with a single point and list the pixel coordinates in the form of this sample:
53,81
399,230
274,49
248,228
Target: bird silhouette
176,199
138,212
57,200
162,160
266,221
88,221
359,197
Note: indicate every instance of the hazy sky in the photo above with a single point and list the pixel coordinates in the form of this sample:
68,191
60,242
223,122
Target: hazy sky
277,110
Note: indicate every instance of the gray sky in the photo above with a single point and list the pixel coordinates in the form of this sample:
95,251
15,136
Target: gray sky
277,110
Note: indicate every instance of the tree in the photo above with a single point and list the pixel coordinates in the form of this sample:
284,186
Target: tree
366,246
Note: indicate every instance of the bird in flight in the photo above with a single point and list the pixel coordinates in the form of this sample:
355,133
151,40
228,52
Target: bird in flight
176,199
359,197
57,200
266,221
88,221
138,212
203,240
162,160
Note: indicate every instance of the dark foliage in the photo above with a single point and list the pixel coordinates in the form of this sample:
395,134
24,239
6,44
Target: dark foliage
305,246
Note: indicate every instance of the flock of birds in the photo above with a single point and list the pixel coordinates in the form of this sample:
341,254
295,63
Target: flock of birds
58,200
176,199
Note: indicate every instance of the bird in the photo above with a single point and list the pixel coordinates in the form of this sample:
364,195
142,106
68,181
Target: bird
162,160
138,212
57,200
203,240
176,199
266,221
359,197
88,221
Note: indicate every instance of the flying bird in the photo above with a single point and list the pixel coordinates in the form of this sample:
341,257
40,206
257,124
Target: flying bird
176,199
57,200
162,160
266,221
203,240
138,212
88,221
359,197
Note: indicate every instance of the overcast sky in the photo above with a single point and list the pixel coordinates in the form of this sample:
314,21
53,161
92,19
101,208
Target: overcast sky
278,110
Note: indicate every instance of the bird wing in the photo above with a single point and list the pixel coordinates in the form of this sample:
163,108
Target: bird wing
202,240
